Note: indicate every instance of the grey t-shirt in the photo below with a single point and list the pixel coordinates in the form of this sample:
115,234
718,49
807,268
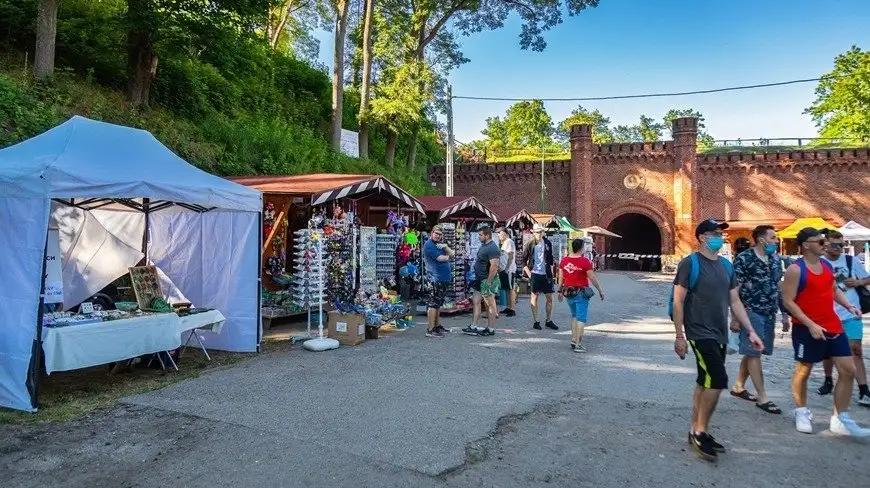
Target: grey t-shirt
706,312
486,252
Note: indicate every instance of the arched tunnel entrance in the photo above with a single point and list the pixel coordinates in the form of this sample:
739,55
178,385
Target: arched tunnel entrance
641,236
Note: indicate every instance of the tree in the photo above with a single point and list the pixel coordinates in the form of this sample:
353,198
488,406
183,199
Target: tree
340,10
842,106
365,86
142,20
601,132
399,101
705,140
526,125
46,32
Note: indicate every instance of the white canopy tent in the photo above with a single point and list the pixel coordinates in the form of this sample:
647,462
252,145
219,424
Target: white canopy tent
115,194
853,231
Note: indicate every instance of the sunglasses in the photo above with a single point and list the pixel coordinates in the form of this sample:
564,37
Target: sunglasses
820,242
836,245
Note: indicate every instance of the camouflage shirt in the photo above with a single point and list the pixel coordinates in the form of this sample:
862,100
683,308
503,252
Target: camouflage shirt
759,282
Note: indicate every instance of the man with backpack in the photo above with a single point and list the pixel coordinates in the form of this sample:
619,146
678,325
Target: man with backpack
850,277
809,292
704,288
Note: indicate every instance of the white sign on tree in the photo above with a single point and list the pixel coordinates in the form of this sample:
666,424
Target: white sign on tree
350,143
53,276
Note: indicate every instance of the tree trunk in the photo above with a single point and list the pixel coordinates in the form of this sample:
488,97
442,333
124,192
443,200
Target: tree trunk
46,32
365,88
412,147
338,71
392,140
141,58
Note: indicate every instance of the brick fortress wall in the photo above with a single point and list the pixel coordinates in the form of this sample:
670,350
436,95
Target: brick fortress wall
674,186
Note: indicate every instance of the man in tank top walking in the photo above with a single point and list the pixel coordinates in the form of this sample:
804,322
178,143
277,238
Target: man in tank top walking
809,293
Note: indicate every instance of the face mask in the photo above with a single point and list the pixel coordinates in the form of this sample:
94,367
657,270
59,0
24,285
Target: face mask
715,243
769,249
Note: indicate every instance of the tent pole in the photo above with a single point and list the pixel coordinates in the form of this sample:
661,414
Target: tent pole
36,353
260,282
146,207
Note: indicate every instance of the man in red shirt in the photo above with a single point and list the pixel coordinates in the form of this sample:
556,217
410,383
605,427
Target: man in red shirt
809,292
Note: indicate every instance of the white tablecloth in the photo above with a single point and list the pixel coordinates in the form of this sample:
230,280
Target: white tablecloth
211,320
83,346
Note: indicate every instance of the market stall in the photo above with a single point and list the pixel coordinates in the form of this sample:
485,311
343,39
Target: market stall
201,230
362,222
459,218
790,232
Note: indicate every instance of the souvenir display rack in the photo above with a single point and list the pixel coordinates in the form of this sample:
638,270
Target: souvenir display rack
368,277
560,246
307,285
385,253
340,269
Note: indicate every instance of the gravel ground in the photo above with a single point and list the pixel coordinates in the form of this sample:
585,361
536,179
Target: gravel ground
518,409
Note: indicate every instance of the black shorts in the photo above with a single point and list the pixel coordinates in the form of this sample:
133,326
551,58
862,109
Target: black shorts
437,294
541,284
710,356
507,280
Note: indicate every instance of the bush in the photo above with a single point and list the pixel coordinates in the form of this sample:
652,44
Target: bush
194,89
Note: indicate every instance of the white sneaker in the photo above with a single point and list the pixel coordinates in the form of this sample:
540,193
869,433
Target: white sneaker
864,400
843,424
803,420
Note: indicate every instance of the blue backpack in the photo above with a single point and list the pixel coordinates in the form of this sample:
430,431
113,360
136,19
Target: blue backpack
694,273
802,283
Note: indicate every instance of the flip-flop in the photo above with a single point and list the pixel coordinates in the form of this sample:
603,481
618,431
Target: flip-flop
769,407
745,395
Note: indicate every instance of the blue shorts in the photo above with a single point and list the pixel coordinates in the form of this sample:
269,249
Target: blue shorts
810,350
854,328
579,307
765,327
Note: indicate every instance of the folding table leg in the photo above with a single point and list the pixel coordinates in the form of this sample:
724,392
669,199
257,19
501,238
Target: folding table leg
171,361
184,347
201,345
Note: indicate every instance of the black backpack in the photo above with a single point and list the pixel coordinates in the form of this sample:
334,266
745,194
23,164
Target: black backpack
863,293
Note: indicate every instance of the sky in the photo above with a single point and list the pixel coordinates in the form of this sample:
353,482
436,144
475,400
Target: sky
626,47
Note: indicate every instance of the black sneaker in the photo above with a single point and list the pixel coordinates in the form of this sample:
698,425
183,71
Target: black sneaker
441,329
434,333
551,325
470,330
485,332
703,445
719,448
826,388
537,326
509,312
573,346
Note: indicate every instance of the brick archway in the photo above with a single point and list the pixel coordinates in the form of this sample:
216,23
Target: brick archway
666,228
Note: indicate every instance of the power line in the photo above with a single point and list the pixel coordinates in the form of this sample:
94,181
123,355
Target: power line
648,95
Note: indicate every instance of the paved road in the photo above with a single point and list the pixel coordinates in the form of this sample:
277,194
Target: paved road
518,409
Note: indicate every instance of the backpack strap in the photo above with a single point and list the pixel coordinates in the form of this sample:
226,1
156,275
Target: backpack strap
828,265
728,266
849,265
694,270
802,282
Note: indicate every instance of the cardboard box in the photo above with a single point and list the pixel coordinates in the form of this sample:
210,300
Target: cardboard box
349,329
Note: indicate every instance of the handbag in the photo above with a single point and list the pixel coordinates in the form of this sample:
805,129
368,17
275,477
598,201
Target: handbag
587,292
570,291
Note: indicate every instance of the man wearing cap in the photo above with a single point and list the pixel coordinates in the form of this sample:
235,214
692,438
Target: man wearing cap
704,288
809,292
539,267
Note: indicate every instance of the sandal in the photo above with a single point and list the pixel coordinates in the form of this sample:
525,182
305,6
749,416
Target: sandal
769,407
745,395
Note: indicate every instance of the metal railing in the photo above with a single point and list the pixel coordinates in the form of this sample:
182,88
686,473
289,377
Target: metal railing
793,142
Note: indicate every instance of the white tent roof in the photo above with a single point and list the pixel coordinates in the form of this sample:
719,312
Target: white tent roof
84,158
853,231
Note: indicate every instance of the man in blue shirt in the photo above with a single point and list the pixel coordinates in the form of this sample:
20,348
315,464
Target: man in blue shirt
437,257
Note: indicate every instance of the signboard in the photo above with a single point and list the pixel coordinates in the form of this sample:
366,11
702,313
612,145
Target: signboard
53,275
350,143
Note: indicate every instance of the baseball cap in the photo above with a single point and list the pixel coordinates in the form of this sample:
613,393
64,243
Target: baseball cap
808,233
710,225
537,228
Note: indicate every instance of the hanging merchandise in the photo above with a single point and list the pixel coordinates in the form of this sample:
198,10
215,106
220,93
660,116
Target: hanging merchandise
560,246
368,277
306,287
338,247
385,251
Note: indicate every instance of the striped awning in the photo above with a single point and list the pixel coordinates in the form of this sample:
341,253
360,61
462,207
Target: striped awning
469,202
378,183
522,214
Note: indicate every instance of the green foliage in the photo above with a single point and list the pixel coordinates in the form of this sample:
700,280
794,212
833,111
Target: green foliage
705,140
525,124
842,106
601,131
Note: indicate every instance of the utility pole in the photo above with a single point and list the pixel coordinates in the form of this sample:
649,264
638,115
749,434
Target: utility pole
448,163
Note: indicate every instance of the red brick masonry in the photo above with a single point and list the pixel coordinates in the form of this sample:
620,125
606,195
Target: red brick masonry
674,186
